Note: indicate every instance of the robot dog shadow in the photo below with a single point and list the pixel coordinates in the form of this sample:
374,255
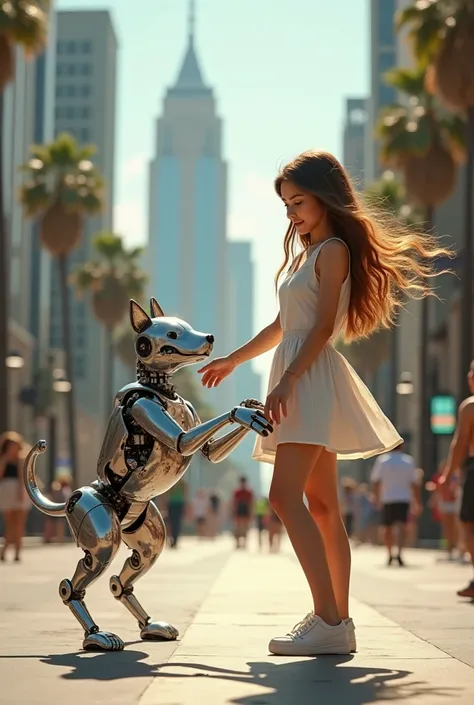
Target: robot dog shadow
100,666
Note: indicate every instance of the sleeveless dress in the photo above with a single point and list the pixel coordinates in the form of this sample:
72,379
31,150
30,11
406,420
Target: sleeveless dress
330,405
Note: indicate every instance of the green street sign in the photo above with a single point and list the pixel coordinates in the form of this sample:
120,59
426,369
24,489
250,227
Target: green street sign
443,414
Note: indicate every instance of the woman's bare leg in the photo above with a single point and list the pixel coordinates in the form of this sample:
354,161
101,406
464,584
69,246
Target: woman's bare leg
8,538
293,465
321,493
19,530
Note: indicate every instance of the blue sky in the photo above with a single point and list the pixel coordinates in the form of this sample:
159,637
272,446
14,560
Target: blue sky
280,70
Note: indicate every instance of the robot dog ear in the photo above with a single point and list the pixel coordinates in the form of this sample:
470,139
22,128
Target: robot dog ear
139,318
155,308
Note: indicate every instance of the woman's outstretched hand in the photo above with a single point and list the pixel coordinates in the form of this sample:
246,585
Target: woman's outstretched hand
214,372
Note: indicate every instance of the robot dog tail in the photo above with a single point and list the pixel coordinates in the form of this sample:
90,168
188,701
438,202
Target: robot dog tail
53,509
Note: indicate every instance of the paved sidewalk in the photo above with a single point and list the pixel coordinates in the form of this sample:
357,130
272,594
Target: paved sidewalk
223,656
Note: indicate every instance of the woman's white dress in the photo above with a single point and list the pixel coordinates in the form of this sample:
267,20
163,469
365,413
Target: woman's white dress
330,405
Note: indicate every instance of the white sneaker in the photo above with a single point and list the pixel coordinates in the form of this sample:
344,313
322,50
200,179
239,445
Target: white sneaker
351,634
311,637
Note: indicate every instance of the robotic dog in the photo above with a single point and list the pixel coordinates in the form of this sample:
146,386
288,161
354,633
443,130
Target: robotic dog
149,442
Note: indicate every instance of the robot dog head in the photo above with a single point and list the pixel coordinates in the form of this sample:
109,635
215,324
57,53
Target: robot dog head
164,344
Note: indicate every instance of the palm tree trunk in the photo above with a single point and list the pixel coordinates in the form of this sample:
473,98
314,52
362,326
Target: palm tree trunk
424,374
4,293
66,326
466,282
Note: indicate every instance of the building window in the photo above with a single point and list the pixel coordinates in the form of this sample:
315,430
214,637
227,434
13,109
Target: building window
167,141
387,95
80,367
71,69
86,47
70,112
61,69
386,23
71,47
358,116
84,134
86,69
60,48
85,112
71,91
85,91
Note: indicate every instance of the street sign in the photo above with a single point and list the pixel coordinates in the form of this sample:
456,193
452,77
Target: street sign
443,414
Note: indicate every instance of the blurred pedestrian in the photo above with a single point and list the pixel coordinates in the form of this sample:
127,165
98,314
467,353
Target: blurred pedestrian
348,491
345,273
200,508
461,457
54,528
242,512
395,484
365,515
214,514
14,501
261,518
176,499
444,505
414,512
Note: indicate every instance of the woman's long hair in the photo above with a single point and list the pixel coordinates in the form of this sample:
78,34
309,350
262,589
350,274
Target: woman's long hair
388,259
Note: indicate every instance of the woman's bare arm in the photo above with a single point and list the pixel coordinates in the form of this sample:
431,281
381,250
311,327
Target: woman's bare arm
264,341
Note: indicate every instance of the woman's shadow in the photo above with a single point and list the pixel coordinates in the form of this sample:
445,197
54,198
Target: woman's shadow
327,678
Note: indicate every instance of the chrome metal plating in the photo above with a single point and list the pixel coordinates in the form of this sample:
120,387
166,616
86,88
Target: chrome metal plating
148,445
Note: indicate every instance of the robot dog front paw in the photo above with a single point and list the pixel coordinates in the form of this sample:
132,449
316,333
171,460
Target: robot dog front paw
102,641
159,631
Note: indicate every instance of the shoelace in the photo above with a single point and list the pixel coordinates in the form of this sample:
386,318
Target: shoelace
302,627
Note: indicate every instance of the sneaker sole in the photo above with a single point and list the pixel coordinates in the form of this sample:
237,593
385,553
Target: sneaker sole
335,650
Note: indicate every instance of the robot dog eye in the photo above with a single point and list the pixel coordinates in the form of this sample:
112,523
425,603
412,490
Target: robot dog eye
143,346
172,334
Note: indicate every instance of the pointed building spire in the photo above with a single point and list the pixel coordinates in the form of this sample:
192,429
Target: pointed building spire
191,22
190,77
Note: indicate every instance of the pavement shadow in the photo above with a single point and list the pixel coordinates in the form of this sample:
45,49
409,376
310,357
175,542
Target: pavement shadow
101,666
303,681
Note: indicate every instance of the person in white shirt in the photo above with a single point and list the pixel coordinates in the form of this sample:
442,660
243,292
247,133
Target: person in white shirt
394,479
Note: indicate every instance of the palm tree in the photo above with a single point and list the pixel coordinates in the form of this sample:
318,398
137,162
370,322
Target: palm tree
25,24
61,188
442,32
112,279
424,143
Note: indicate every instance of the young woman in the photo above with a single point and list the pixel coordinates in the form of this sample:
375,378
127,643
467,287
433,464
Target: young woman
346,279
14,502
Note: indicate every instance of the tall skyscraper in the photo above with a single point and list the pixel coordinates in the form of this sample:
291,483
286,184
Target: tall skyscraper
188,194
28,111
354,139
383,57
85,108
244,382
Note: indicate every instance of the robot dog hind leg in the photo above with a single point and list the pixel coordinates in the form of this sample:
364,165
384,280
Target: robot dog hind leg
146,537
96,528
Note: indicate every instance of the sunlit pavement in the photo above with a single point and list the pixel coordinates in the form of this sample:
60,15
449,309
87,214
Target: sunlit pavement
415,636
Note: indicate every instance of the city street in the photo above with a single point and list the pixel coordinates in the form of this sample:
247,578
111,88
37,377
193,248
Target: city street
415,635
